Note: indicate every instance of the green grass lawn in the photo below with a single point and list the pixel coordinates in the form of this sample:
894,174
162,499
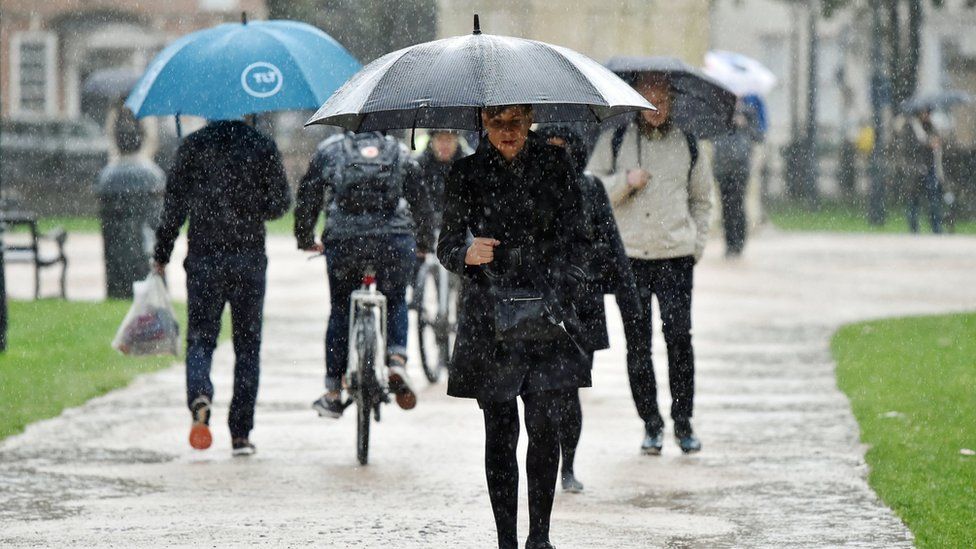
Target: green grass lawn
59,355
912,386
834,217
284,225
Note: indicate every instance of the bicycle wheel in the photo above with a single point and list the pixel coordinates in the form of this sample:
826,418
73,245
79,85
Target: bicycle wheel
366,383
426,293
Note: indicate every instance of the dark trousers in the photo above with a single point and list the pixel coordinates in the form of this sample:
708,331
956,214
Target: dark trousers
733,189
670,280
392,258
541,463
212,281
570,428
930,188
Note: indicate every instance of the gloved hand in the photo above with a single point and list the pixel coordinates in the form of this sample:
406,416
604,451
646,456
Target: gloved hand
575,280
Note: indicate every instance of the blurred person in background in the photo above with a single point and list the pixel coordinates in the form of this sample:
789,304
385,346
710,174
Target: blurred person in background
610,273
732,167
923,150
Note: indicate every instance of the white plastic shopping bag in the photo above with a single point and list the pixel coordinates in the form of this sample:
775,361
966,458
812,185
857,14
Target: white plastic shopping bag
150,326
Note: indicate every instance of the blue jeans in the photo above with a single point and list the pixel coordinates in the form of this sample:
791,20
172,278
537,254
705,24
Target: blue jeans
212,281
929,186
392,257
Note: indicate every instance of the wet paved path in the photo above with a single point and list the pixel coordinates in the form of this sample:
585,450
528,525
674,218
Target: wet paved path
781,466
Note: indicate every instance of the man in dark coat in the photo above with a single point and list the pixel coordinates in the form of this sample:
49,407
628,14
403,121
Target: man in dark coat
610,273
377,215
228,179
519,199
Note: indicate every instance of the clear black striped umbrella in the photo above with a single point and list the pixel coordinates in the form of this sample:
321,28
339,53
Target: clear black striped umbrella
446,83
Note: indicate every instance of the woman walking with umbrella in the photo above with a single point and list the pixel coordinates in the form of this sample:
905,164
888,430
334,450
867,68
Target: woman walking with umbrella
519,200
519,197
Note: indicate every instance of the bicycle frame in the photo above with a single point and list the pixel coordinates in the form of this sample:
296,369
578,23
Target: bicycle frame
367,298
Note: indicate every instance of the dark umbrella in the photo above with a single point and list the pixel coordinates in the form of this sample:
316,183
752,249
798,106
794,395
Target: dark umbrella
446,83
111,84
938,101
701,106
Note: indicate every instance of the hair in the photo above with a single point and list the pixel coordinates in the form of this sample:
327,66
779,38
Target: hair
652,79
128,132
496,110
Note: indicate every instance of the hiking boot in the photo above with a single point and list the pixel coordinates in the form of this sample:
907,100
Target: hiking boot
570,484
653,439
529,544
329,405
200,437
686,438
400,383
242,447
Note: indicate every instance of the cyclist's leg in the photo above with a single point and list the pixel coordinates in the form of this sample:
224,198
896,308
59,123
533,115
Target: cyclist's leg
344,278
395,269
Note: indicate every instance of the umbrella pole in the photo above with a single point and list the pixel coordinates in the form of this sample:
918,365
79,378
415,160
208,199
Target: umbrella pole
179,127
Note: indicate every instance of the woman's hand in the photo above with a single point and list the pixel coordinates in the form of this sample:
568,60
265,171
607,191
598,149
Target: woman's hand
481,251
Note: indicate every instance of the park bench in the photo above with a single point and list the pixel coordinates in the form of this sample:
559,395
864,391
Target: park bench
34,251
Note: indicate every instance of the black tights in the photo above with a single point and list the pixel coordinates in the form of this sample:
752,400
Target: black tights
541,463
570,428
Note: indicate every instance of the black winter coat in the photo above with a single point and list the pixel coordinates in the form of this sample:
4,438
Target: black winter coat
315,196
228,179
532,203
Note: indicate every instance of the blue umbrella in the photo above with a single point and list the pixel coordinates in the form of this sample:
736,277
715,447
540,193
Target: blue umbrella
236,69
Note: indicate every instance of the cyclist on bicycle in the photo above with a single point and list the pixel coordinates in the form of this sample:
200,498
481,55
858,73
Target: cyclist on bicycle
377,218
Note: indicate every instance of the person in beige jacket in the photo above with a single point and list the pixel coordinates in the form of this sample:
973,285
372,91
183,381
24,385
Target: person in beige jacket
660,188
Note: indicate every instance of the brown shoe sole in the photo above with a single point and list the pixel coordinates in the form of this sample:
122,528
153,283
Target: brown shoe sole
200,437
405,398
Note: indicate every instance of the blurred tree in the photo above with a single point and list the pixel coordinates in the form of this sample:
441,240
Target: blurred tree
368,29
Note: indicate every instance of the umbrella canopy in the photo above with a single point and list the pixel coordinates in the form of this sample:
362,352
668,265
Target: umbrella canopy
739,73
938,101
446,83
235,69
112,84
701,106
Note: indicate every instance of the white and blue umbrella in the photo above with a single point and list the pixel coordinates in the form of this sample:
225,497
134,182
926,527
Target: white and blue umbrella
237,69
739,73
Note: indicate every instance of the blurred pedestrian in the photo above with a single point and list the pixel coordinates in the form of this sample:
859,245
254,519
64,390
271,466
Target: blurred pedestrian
228,179
519,200
732,166
377,215
610,274
924,166
660,189
130,192
443,149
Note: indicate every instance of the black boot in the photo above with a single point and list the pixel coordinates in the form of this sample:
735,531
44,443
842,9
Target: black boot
653,438
687,440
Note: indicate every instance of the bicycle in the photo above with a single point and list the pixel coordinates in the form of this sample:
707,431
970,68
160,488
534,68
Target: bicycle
365,384
435,300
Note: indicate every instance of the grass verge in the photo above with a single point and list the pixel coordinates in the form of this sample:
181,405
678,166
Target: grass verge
835,217
912,386
59,356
